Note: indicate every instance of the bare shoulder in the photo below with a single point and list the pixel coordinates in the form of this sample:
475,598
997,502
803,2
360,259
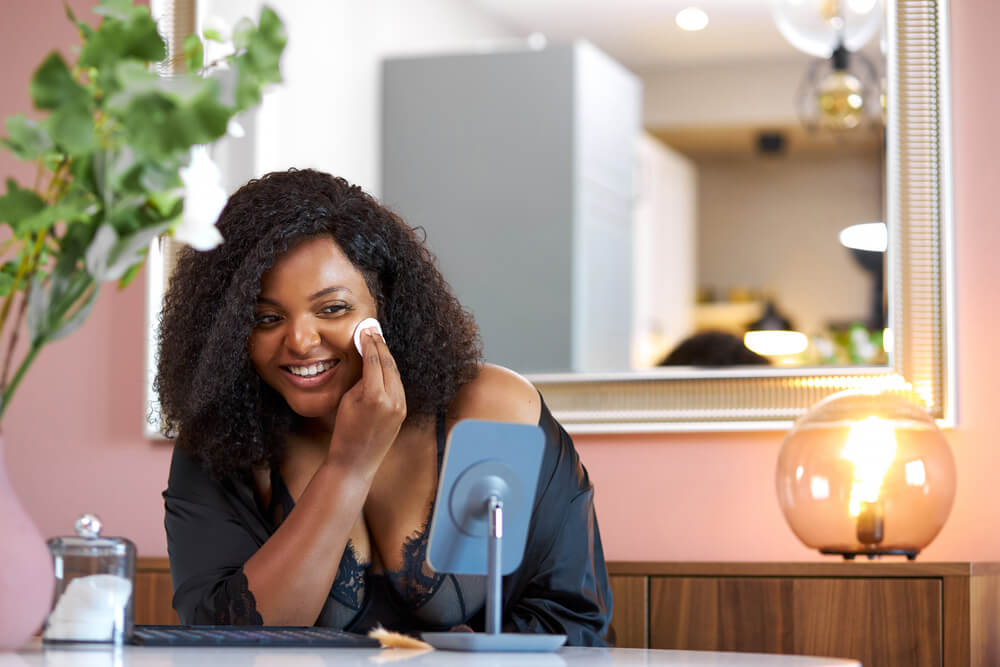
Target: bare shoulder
497,394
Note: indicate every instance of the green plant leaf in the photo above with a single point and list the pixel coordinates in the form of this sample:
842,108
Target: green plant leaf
132,36
168,204
38,308
27,139
132,78
130,275
75,321
82,26
6,283
212,35
161,176
257,64
18,204
194,53
71,127
159,127
242,33
45,218
53,86
110,256
122,10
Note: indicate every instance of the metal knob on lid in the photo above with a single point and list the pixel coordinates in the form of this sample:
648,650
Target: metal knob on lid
89,526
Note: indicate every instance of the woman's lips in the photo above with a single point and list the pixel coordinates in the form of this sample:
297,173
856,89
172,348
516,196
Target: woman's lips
312,380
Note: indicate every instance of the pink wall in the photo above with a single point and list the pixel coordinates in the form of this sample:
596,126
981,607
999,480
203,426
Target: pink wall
73,433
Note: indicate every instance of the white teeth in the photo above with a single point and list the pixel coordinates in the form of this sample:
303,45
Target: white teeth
310,371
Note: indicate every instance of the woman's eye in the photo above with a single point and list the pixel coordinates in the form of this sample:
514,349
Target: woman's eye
265,320
334,308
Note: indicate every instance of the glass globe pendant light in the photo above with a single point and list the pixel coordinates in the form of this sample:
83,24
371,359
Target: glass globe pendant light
866,473
842,85
818,27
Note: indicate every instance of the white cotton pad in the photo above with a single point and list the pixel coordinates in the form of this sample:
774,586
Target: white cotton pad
367,323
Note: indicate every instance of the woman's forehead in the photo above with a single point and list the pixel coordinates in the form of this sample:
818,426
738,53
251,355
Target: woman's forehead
314,263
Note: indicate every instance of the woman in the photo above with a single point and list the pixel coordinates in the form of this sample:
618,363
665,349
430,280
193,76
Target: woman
274,409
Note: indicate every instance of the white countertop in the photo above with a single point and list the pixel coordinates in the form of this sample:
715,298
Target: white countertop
131,656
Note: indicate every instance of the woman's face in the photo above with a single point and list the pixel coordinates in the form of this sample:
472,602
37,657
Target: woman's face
302,344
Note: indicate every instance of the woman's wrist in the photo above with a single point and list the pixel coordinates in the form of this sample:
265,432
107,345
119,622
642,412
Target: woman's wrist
343,462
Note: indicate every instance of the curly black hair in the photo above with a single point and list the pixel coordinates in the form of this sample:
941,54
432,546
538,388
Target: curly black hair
211,397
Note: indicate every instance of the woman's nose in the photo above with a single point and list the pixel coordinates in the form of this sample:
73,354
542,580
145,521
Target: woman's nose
303,338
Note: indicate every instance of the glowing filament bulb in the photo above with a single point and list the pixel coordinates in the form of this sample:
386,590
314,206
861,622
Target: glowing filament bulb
871,447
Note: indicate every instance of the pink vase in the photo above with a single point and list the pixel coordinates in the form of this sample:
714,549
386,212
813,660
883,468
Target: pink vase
26,579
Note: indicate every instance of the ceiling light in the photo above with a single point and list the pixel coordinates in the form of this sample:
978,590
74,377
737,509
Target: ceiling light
691,19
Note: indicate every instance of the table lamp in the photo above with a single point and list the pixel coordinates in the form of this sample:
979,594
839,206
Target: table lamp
866,473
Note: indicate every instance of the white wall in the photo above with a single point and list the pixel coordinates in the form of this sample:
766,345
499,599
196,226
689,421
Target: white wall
664,248
772,224
326,112
737,94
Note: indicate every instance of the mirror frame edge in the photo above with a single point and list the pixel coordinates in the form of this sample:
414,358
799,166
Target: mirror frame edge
919,212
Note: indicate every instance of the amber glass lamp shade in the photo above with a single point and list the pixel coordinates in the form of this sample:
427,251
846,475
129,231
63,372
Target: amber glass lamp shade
866,473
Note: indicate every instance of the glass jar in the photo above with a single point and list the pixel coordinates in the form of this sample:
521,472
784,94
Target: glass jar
95,584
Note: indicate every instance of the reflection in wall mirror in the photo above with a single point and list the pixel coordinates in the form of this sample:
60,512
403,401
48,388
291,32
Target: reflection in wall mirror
760,139
753,156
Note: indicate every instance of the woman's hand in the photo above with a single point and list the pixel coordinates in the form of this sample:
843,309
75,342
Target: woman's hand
371,412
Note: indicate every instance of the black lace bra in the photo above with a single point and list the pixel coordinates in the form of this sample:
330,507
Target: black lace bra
436,599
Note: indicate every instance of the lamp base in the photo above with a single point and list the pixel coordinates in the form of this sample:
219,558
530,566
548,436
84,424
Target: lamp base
910,554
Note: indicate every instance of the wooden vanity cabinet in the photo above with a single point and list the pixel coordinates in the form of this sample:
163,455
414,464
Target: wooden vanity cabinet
885,614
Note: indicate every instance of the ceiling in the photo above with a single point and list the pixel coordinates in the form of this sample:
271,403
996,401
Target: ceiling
642,34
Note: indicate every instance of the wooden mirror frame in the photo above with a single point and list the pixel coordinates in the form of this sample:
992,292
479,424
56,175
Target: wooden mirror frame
920,281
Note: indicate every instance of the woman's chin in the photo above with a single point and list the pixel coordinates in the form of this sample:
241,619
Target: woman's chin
319,410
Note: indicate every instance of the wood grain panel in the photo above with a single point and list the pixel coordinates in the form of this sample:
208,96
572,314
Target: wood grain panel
827,568
154,593
721,614
629,619
955,609
881,622
984,609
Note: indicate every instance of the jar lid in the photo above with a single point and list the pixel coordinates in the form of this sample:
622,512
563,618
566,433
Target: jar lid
88,540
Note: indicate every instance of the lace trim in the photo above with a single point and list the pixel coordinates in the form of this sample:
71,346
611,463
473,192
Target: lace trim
234,603
415,582
351,580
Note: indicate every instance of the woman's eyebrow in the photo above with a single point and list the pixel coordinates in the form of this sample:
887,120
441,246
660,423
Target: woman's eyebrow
327,290
312,297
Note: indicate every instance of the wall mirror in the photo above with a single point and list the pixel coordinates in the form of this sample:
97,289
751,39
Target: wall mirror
894,169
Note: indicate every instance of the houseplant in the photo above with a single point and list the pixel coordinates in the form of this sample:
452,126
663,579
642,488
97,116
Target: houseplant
117,167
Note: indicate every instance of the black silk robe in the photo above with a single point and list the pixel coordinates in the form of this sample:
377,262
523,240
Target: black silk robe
213,527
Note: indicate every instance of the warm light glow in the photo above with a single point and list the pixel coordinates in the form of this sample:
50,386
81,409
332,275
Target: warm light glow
866,236
798,473
691,19
776,343
916,473
820,488
887,340
871,447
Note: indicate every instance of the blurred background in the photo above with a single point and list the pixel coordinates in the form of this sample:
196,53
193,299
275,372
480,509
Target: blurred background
607,180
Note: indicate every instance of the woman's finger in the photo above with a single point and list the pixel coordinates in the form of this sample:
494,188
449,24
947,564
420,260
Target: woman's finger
390,373
371,370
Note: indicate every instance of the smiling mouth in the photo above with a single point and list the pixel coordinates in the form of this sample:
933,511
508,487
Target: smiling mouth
311,371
